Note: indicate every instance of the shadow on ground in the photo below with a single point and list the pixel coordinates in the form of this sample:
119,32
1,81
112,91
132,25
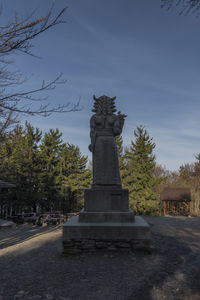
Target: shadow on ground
10,237
172,271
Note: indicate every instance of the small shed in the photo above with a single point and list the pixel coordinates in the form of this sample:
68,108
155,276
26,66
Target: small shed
176,201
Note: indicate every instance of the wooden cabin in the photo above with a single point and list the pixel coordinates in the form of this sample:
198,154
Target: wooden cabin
176,201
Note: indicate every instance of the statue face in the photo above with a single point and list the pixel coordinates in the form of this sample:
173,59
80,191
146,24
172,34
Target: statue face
104,105
109,111
99,111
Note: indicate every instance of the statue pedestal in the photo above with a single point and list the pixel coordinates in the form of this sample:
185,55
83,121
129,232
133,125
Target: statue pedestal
106,222
79,237
106,205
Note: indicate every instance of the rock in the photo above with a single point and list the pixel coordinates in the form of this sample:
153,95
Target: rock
140,245
112,248
72,251
123,245
68,243
49,297
19,295
133,258
88,244
100,245
84,279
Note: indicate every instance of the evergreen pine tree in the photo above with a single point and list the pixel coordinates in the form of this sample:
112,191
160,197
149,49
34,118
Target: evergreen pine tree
50,152
50,174
139,179
19,164
74,177
121,156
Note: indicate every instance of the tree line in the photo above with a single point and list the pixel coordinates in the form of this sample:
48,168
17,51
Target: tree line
48,173
52,175
145,179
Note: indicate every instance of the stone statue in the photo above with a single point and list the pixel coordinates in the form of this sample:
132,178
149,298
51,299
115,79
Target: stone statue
106,221
105,125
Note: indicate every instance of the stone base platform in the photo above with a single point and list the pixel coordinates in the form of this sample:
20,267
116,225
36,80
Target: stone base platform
83,237
108,216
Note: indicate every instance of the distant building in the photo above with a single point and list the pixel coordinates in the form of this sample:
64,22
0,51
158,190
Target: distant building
176,201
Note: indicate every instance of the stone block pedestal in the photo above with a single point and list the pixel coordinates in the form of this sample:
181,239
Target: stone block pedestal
110,199
106,205
79,237
106,222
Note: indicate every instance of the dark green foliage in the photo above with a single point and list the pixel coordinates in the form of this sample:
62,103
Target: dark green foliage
47,173
49,155
73,176
19,164
121,157
138,177
145,179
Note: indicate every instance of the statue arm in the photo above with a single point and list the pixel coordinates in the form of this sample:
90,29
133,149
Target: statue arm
117,128
119,123
92,135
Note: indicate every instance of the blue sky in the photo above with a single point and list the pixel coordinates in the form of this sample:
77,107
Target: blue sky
146,56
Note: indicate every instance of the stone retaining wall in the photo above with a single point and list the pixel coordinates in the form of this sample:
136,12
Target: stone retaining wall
81,246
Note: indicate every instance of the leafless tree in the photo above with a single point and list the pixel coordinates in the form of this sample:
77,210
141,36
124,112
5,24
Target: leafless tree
184,6
17,36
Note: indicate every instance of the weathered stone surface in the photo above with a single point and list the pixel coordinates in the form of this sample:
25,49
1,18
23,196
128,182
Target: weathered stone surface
141,245
74,230
87,244
106,200
79,237
69,243
96,245
106,216
112,248
100,244
123,245
104,126
72,251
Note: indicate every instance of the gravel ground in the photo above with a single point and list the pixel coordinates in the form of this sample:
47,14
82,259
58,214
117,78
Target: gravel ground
32,266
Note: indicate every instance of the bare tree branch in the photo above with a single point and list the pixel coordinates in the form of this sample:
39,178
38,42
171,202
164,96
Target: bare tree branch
185,7
16,36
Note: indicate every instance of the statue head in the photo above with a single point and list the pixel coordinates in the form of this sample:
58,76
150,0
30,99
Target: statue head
104,105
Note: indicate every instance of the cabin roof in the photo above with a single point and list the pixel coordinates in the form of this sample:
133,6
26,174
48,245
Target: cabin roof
176,194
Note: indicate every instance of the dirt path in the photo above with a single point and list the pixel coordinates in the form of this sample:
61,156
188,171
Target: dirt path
33,267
